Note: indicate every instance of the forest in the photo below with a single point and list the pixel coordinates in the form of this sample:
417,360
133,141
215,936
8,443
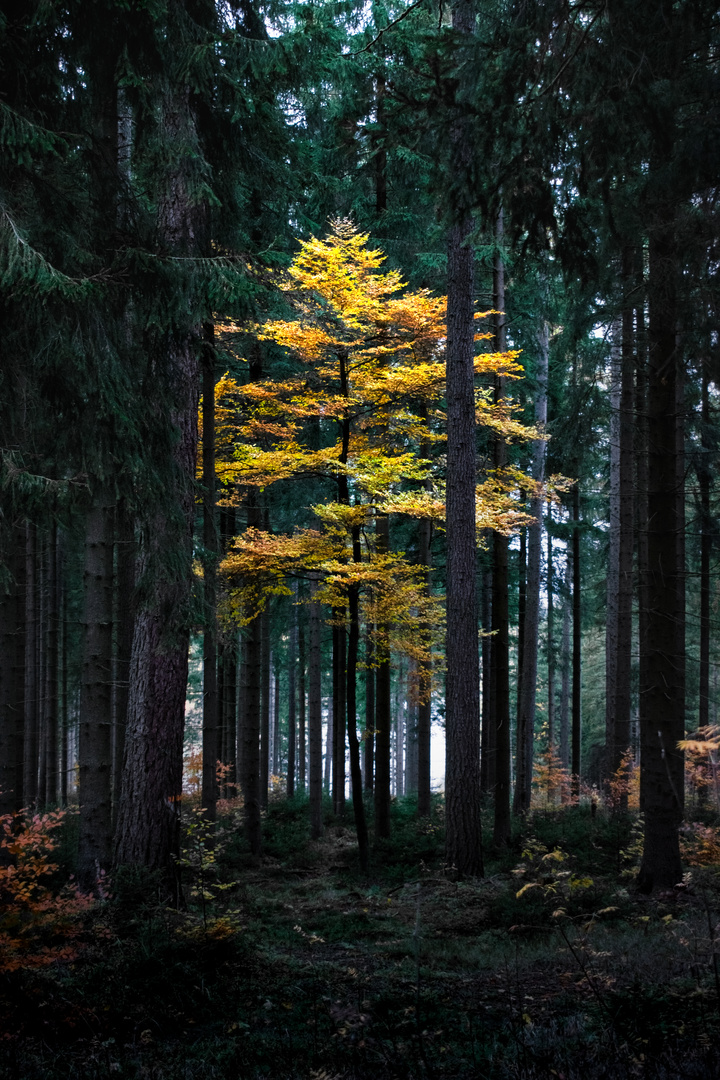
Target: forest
359,434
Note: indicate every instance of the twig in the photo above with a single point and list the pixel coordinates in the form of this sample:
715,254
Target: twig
384,30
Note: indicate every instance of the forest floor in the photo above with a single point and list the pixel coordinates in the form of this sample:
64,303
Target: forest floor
300,968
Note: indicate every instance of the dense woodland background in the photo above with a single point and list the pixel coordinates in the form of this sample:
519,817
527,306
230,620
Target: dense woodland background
358,381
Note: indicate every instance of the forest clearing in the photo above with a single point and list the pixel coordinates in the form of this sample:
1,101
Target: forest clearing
359,662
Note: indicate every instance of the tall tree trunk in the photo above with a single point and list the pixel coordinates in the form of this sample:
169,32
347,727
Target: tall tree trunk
356,779
125,555
550,632
613,563
315,717
95,732
12,674
424,709
623,643
383,718
487,727
339,639
210,712
52,670
500,621
265,708
522,600
706,537
148,820
463,837
577,646
531,636
302,752
31,693
369,740
276,748
565,661
292,705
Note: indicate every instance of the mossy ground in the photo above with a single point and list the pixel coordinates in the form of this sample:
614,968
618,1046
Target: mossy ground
302,969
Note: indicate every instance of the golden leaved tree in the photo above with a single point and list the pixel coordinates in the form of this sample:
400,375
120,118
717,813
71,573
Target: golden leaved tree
371,382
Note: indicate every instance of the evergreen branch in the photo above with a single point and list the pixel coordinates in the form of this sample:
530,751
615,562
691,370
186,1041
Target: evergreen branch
20,263
384,30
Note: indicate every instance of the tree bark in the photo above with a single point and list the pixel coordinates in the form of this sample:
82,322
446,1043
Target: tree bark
463,838
210,712
500,620
265,708
125,556
383,718
302,752
148,820
292,705
369,740
550,632
31,693
315,717
662,699
95,732
706,539
577,647
531,635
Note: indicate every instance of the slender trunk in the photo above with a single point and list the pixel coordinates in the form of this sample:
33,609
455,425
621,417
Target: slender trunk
124,622
369,741
550,633
265,708
522,597
531,636
487,728
704,483
292,711
399,731
277,750
577,646
95,733
565,662
500,622
42,606
355,767
302,752
52,670
623,643
31,693
251,708
662,700
613,564
12,676
382,706
210,714
424,708
339,708
315,718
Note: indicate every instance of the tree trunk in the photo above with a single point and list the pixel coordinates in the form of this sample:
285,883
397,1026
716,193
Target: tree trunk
292,699
12,675
210,711
623,643
339,640
265,708
369,740
52,669
531,636
487,727
124,622
463,838
148,820
565,661
95,732
302,752
354,744
662,699
550,633
500,620
382,705
424,710
31,692
577,647
315,718
706,535
613,564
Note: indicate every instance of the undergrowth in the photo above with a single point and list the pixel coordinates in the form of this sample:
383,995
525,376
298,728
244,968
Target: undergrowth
302,968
